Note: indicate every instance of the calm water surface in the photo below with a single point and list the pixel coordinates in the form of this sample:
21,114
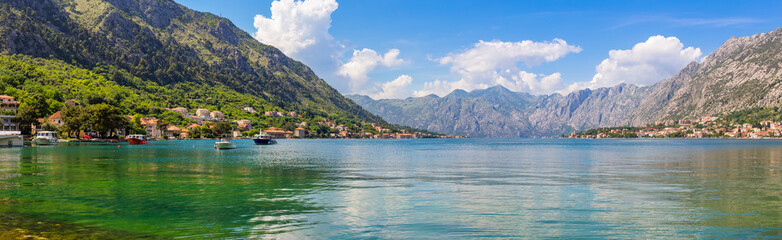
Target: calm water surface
461,188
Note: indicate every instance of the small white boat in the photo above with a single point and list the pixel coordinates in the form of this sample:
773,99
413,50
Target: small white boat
45,138
11,139
224,144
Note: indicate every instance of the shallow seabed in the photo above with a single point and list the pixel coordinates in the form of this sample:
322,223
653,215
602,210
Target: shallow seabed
421,189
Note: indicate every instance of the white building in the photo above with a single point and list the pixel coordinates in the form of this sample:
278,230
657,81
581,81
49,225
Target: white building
203,113
217,115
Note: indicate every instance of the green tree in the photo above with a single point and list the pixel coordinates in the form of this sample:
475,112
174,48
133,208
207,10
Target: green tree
135,126
207,132
32,108
195,133
221,128
73,119
162,126
105,119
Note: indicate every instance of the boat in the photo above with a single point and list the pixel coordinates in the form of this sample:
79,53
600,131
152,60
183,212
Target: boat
224,144
136,139
45,138
11,139
264,139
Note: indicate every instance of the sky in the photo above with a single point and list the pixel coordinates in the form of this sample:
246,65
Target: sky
411,48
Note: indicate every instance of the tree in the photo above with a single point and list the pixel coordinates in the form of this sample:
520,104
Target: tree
73,119
221,128
207,132
50,127
135,126
195,133
104,118
162,125
31,109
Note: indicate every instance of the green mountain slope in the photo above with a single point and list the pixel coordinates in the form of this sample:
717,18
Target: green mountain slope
194,54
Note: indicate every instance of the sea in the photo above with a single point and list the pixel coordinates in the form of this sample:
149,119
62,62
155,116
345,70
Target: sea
397,189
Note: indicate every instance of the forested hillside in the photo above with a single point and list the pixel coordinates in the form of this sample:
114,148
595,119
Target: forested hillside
161,54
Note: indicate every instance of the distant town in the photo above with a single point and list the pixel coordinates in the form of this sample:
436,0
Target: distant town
203,123
704,127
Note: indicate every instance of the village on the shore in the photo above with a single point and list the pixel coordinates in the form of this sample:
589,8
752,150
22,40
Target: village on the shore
704,127
205,123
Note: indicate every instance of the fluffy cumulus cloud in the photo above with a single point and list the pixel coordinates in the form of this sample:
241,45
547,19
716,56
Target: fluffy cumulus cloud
298,26
398,88
491,63
300,29
646,63
365,61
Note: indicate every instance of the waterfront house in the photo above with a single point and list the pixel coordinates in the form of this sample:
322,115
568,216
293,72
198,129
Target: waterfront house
8,108
344,134
173,131
150,125
405,136
55,119
277,133
300,132
7,103
184,134
236,134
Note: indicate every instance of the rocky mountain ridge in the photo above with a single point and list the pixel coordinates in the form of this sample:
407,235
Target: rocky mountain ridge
743,73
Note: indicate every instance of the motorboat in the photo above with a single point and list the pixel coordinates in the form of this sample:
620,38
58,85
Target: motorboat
11,139
45,138
136,139
264,139
224,144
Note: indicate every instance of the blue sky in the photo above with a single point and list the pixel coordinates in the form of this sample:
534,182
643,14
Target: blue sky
443,45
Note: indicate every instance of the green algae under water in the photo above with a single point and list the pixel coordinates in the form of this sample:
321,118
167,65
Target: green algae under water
457,188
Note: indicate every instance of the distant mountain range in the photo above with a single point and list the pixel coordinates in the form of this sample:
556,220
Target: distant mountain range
743,73
157,48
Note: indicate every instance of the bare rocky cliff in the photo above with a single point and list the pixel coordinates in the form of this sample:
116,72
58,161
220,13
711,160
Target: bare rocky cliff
743,73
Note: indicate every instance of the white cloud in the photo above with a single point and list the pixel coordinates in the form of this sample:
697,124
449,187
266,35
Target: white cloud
491,63
300,29
488,56
296,26
365,61
646,63
394,89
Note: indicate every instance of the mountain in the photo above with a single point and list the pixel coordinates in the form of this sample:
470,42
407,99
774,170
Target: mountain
743,73
200,56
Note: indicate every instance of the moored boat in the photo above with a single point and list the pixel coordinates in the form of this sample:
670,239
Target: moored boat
11,139
45,138
264,139
224,144
136,139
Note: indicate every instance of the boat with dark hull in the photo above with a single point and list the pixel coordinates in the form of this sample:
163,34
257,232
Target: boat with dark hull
264,139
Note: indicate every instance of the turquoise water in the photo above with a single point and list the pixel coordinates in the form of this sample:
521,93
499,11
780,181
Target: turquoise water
421,189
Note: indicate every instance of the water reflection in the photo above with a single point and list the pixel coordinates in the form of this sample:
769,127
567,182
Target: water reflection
405,189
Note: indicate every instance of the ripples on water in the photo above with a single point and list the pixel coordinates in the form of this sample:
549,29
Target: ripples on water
462,188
